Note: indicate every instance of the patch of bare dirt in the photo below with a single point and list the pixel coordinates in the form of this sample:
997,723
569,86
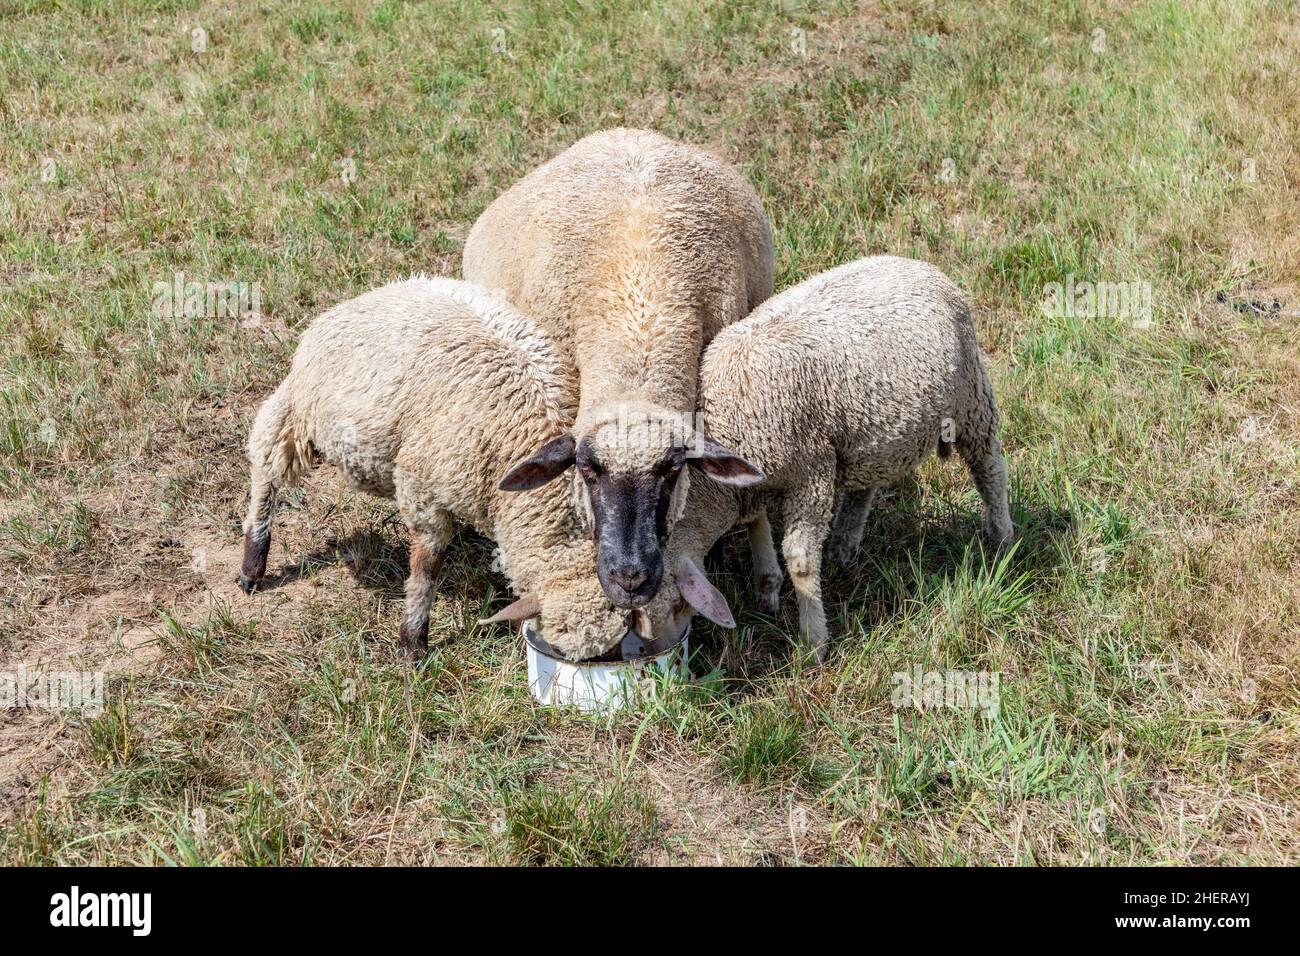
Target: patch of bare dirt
114,633
704,822
182,571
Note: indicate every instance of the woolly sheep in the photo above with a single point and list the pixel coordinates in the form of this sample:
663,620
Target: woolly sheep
634,251
426,390
842,384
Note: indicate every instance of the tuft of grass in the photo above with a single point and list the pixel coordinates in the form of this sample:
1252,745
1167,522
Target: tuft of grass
768,744
109,737
267,834
574,826
33,840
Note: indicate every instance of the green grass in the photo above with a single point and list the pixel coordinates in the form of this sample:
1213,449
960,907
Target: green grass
1143,629
574,827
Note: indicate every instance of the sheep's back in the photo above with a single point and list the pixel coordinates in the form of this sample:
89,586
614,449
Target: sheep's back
450,378
635,251
863,362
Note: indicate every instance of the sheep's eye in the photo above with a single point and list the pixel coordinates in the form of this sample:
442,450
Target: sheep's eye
590,469
671,465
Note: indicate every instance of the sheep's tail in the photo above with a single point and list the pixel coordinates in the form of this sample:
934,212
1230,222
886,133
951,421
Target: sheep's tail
278,455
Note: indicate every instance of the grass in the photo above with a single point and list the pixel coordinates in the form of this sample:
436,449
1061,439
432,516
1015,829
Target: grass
1144,630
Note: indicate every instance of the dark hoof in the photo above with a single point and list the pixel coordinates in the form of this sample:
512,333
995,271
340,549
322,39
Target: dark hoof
414,642
767,592
253,567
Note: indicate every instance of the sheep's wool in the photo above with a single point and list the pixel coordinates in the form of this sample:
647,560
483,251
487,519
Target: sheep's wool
428,390
835,388
634,251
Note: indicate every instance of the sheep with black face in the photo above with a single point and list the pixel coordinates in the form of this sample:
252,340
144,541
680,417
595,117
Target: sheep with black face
634,251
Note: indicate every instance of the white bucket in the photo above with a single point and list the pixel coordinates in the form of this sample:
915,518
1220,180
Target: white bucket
596,685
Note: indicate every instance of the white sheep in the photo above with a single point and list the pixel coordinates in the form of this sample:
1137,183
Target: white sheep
634,251
426,390
839,385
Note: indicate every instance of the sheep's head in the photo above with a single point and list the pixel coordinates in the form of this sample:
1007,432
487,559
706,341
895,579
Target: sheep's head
664,620
574,618
570,610
631,486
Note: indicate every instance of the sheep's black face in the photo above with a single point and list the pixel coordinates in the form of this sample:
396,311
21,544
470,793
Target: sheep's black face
635,490
630,513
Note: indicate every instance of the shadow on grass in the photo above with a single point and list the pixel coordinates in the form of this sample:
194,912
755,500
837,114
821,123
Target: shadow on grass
911,547
378,558
912,544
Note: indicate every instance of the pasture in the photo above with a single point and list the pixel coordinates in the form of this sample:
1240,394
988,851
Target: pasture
1113,184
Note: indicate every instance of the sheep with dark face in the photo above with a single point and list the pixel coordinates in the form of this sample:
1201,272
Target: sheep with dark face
836,388
426,391
634,251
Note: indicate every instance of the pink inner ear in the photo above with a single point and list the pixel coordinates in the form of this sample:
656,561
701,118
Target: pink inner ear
731,471
703,596
725,466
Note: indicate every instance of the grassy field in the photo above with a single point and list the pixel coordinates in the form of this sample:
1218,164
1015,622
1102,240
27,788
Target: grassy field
1144,632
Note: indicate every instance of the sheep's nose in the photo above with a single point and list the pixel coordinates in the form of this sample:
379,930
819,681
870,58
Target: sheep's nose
629,577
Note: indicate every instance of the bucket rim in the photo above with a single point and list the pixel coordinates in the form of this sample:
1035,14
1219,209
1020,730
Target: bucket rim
533,641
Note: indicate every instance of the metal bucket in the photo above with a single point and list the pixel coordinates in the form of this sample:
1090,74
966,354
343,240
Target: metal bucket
596,685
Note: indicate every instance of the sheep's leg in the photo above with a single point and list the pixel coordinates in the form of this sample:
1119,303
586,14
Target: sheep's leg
257,531
276,459
807,512
989,470
428,549
980,448
767,569
850,521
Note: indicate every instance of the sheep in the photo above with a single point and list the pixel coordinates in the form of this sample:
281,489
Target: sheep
839,385
425,390
634,251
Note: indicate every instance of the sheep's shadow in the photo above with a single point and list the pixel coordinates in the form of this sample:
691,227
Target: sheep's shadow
917,539
909,542
378,557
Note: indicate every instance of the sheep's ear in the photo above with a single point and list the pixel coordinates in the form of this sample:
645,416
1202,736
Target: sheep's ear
700,594
723,465
527,606
549,461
